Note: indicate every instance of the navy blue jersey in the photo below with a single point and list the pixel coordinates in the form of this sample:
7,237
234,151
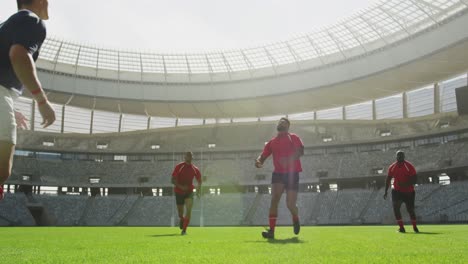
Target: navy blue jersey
23,28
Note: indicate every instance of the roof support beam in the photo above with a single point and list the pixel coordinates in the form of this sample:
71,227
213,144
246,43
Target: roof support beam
338,43
165,68
210,67
247,61
430,5
228,66
431,16
188,65
97,63
374,28
141,68
396,20
296,56
273,62
118,66
316,48
57,56
356,36
188,68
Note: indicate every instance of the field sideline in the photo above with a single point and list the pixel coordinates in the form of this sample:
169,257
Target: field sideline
362,244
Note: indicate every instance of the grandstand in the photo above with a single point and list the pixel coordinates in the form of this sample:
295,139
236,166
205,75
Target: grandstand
355,92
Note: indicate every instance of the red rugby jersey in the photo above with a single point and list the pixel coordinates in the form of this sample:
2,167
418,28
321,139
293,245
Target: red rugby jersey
183,174
283,146
402,172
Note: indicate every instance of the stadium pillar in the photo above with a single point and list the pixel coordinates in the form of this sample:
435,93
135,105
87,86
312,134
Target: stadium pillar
62,125
148,124
436,98
33,113
374,111
343,109
92,121
405,105
120,122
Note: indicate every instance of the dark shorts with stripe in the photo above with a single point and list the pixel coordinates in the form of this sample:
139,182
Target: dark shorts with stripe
404,197
290,180
180,198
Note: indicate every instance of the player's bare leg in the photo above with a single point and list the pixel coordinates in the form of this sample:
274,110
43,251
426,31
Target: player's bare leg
277,190
397,213
291,202
180,212
6,161
412,213
188,214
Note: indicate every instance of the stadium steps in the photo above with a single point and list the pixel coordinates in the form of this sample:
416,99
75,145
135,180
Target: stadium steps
248,220
4,221
464,211
315,212
372,197
334,203
116,218
423,200
89,205
39,212
13,211
135,206
435,212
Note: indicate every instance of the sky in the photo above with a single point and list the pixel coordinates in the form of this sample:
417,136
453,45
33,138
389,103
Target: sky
188,26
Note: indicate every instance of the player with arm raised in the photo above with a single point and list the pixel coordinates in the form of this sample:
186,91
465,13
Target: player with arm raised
21,37
182,179
404,178
286,148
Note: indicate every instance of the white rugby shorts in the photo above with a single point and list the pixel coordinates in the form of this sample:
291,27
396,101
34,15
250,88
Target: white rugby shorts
7,115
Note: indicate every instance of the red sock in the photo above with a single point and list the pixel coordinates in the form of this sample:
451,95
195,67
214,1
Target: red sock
1,192
400,223
272,219
295,218
186,222
413,221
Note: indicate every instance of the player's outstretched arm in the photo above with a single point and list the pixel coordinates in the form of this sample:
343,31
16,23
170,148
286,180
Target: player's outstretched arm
259,161
199,194
21,120
387,185
25,70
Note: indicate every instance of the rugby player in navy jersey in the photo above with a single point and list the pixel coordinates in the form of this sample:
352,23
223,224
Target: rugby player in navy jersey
21,37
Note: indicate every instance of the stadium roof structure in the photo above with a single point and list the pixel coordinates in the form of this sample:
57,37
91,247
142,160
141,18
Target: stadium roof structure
391,47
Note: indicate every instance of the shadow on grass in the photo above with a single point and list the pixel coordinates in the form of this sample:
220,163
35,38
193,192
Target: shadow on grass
427,233
164,235
292,240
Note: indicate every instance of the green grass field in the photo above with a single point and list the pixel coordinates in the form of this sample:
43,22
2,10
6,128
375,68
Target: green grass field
363,244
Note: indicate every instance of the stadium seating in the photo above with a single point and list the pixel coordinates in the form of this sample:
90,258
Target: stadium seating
434,203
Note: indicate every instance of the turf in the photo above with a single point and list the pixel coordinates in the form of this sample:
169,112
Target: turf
363,244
